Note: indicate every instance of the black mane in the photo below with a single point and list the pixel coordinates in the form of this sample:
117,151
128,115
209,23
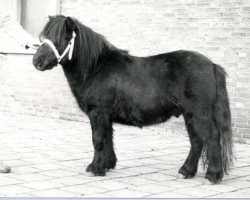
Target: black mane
89,45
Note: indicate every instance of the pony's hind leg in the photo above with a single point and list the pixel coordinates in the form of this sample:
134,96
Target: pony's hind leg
215,170
189,168
104,156
203,134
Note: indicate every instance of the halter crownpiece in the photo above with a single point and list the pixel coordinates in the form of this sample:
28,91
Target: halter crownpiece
69,48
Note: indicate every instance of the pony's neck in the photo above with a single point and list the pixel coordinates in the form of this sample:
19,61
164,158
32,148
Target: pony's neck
75,72
91,49
70,71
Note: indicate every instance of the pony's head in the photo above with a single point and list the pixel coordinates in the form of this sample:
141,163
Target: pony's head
57,39
82,59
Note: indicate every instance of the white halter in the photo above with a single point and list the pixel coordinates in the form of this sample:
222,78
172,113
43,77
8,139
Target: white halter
69,48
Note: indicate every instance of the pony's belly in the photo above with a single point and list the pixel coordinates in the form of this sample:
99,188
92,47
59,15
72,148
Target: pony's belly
140,119
144,110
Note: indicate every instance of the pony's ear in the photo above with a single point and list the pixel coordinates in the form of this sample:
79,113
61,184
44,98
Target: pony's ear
51,17
70,25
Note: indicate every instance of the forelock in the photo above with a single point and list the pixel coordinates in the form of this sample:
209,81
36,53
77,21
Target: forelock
54,29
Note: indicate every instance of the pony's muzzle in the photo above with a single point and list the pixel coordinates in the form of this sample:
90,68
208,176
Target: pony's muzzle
38,62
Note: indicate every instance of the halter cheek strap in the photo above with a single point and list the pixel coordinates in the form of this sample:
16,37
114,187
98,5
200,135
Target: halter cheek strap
69,48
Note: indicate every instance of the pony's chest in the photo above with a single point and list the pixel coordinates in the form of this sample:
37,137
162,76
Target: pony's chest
93,95
79,99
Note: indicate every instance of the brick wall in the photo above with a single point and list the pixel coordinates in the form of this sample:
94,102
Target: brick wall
25,90
220,29
217,28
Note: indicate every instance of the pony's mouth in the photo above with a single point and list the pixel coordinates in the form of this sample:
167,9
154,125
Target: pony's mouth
46,67
40,68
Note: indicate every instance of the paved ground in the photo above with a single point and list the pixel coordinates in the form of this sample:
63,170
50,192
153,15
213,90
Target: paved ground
48,159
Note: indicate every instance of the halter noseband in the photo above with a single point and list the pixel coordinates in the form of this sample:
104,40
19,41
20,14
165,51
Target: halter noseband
69,48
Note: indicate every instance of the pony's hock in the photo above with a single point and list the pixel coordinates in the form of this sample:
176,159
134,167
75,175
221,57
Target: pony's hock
110,85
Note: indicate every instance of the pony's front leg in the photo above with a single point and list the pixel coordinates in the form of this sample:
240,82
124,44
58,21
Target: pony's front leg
104,156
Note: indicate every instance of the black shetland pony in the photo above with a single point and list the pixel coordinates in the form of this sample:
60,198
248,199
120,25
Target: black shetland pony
110,85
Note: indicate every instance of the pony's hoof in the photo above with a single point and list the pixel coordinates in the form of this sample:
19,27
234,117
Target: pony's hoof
181,176
111,164
214,177
90,168
5,169
96,171
186,173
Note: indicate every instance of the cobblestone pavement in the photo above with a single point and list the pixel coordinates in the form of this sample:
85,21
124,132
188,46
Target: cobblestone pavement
49,156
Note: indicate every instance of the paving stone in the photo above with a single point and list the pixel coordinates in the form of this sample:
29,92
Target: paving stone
246,190
25,169
217,187
236,194
179,184
109,184
14,190
99,195
119,173
136,180
73,180
244,178
150,188
42,185
9,181
47,166
149,161
197,192
32,177
83,189
236,183
39,159
158,177
58,173
52,193
126,193
17,163
143,170
51,161
240,172
170,194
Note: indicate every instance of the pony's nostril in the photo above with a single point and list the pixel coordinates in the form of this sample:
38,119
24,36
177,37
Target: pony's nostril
38,61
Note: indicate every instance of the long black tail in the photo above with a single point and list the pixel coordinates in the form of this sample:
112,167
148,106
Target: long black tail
222,117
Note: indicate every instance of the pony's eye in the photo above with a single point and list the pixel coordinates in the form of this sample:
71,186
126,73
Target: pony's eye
41,39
